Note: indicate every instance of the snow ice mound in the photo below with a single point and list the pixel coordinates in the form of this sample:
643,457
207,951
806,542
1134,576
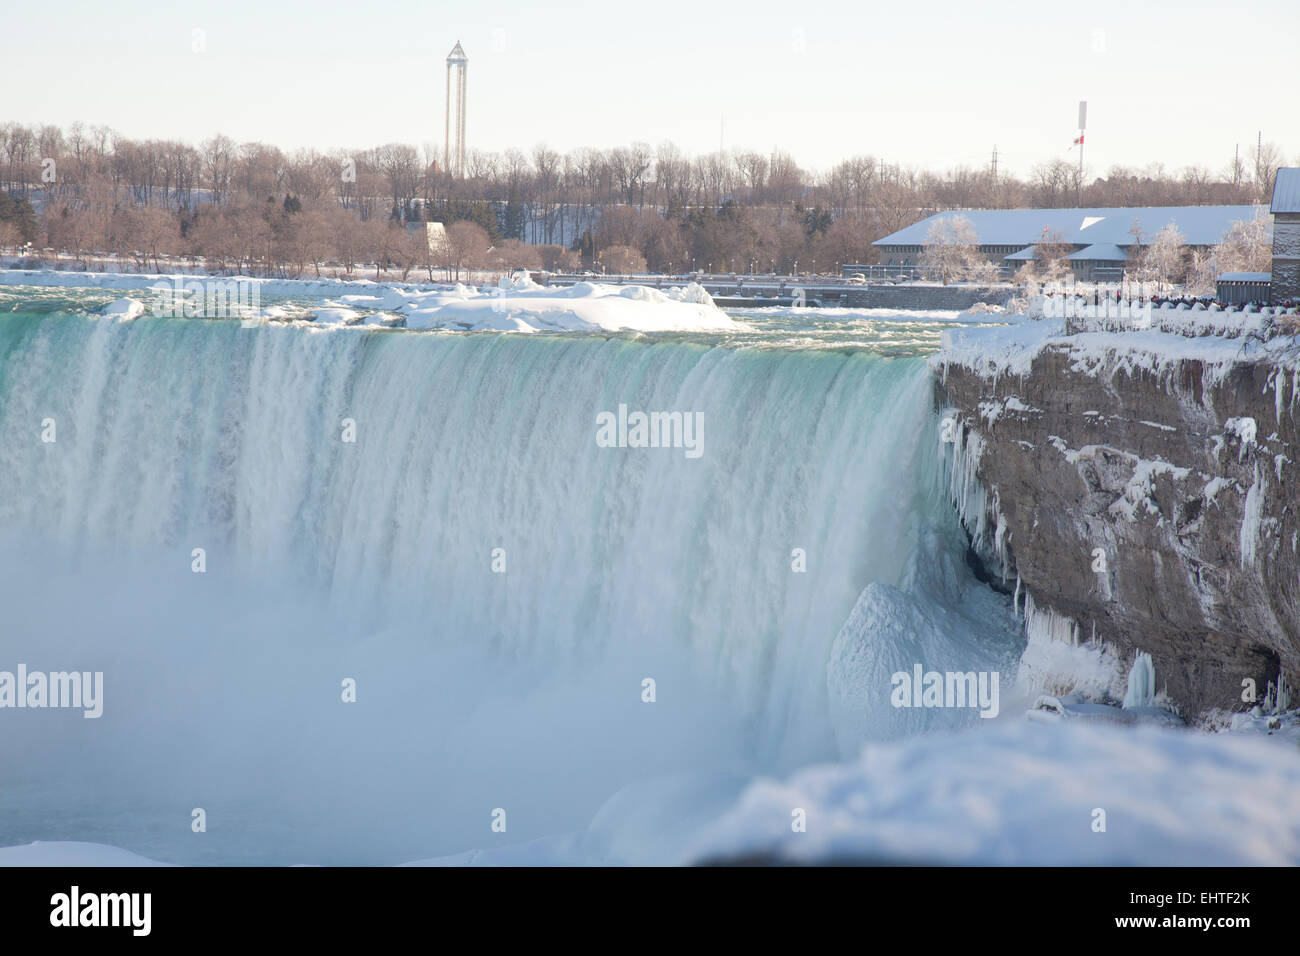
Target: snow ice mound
584,307
520,280
889,631
123,310
1021,793
940,620
331,315
692,292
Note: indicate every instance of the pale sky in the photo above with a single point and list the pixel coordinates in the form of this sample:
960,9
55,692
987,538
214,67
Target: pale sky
934,84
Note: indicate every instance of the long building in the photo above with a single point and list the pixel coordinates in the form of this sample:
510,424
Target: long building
1101,240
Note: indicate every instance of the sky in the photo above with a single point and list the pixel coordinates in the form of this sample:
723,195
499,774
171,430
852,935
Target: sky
933,85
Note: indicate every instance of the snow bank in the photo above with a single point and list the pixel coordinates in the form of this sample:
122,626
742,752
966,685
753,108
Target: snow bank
123,310
516,304
1024,793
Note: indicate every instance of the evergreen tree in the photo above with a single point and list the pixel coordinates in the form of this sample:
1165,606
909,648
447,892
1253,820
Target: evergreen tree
18,210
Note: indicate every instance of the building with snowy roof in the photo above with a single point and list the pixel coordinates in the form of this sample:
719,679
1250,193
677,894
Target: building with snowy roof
1100,240
1286,236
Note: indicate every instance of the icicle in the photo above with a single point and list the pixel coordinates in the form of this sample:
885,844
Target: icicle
1277,700
1141,682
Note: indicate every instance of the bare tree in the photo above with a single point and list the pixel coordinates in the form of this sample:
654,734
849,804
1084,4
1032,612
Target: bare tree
466,245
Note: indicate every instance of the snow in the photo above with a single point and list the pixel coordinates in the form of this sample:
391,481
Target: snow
1141,485
585,306
1175,337
1076,707
1245,430
1007,792
68,853
515,304
336,316
124,310
996,350
991,411
1056,663
1024,793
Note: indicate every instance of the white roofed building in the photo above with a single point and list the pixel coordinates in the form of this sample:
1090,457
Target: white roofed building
1100,240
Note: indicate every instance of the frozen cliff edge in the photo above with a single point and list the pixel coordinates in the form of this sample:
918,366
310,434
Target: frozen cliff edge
1136,491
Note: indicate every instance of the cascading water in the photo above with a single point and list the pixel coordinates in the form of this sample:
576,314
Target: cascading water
498,585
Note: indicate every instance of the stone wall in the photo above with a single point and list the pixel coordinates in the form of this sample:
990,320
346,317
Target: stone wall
1286,258
924,297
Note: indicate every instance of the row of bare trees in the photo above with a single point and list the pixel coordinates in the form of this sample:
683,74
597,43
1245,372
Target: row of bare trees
251,205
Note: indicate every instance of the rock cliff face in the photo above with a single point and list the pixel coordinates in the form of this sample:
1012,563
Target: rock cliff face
1139,491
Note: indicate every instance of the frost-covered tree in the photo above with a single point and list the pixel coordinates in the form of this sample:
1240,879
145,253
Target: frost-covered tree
1247,246
1053,257
952,250
1166,258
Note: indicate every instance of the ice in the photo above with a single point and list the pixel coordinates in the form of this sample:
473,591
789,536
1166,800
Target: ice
1022,793
515,304
123,310
1252,515
1141,682
1056,663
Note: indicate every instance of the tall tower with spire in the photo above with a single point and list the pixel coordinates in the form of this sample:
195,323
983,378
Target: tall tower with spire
454,140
